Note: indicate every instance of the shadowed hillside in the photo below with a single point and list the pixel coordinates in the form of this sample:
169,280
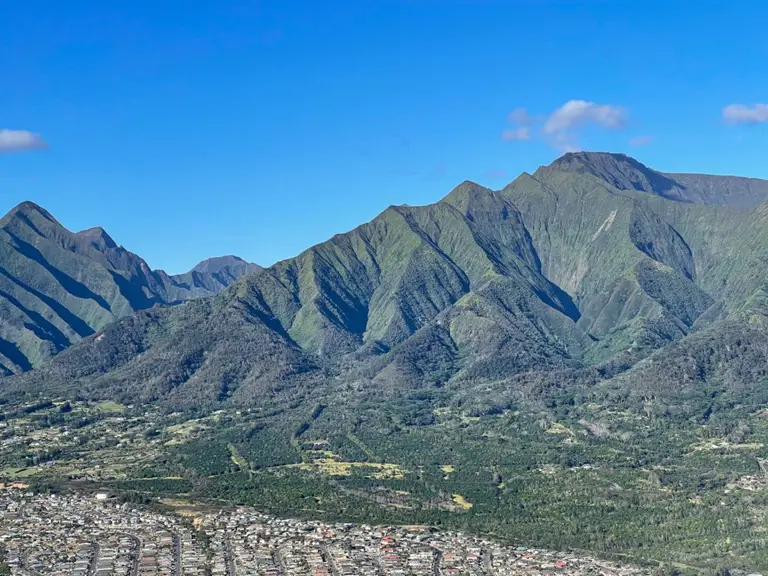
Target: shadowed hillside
577,360
57,287
588,261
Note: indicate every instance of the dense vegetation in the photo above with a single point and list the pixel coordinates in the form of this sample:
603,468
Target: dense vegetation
578,360
686,488
57,287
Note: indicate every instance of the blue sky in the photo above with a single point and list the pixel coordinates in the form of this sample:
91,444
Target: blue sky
194,129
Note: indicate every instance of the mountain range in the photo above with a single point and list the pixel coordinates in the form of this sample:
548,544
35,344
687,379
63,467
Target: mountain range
587,266
577,360
58,287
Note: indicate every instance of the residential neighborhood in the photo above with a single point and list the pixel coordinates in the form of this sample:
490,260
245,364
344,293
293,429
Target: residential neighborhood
94,535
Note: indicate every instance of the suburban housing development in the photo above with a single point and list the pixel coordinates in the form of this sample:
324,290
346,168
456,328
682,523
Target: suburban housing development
79,535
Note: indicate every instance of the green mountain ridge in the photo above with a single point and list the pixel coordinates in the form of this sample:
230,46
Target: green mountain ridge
625,173
565,266
577,360
58,287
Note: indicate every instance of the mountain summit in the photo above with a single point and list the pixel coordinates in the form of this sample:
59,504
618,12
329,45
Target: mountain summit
593,260
585,348
232,266
625,173
57,287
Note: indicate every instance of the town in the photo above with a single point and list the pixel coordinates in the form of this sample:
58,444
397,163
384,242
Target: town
95,535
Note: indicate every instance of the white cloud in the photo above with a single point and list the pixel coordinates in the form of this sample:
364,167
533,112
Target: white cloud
522,133
742,114
18,140
576,113
520,116
638,141
560,129
564,143
561,126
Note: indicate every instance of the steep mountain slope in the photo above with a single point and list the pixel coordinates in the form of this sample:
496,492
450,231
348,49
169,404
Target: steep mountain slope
579,360
57,287
566,268
625,173
213,275
632,275
416,294
230,267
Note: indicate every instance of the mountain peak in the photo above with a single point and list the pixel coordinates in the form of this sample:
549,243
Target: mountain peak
98,237
618,170
460,196
30,210
625,173
470,184
599,163
27,206
591,156
225,263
